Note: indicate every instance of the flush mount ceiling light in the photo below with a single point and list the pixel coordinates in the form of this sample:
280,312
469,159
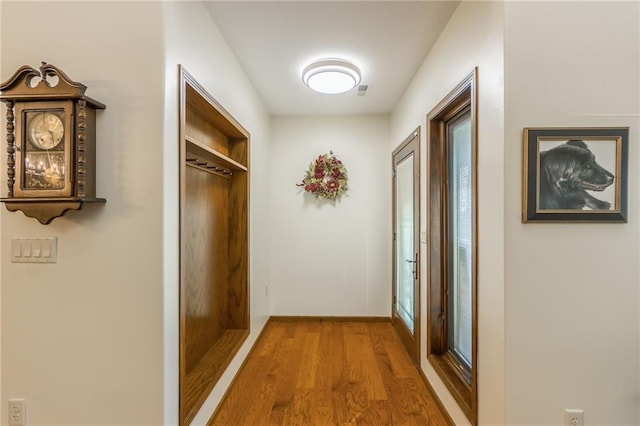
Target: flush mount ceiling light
331,76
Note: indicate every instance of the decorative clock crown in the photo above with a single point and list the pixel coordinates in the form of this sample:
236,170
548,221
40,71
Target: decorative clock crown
21,85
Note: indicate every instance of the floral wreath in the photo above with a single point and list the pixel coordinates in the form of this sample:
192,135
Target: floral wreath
326,177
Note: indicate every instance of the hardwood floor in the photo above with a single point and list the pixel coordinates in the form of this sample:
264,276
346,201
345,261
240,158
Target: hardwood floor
323,373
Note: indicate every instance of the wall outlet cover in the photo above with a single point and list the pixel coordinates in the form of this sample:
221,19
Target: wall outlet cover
17,412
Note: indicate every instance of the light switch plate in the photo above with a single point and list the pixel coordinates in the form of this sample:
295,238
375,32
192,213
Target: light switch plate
423,236
34,250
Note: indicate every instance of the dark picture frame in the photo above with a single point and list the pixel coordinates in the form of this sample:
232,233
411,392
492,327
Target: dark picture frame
575,174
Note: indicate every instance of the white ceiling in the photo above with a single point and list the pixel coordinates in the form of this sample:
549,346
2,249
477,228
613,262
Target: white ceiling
275,40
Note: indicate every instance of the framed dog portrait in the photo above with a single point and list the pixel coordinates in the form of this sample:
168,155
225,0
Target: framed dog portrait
575,175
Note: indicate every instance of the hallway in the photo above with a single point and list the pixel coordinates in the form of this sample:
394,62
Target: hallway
323,372
557,305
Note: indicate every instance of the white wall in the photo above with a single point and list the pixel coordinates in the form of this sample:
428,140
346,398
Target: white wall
331,258
572,289
193,40
82,338
473,37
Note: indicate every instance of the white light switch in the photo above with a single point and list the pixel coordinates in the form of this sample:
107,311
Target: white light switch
46,248
16,249
34,250
26,248
423,236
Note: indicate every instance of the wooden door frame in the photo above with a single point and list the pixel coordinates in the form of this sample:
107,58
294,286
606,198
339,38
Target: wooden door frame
411,342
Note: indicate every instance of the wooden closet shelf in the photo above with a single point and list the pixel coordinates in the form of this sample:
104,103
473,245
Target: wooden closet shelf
202,155
200,380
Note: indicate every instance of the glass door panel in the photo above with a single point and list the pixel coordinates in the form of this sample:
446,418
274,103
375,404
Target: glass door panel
405,312
405,252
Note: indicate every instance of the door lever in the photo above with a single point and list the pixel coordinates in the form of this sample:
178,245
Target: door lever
415,266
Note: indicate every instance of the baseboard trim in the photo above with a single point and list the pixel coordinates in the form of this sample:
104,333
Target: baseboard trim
328,318
436,398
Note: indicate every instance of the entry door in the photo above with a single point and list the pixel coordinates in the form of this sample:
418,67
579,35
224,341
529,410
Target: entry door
406,243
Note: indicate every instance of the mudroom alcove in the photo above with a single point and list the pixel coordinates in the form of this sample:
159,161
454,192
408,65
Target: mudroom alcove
214,247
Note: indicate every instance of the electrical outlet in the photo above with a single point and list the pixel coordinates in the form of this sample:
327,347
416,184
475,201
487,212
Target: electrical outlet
573,417
17,412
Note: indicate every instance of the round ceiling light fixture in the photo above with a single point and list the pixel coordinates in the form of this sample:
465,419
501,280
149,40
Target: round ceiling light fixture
331,76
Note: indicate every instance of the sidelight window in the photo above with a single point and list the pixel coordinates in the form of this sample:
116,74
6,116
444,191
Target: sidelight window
451,323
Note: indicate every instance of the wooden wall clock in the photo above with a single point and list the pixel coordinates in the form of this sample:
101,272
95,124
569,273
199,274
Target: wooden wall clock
51,141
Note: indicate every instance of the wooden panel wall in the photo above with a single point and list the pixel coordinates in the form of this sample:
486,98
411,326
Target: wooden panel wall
205,261
239,151
203,131
238,305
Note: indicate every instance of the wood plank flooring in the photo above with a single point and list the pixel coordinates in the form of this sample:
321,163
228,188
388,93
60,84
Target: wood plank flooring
323,373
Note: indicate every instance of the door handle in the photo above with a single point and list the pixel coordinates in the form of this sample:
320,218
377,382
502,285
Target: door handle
415,265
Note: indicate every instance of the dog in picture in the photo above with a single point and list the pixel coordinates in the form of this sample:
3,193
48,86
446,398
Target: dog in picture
567,172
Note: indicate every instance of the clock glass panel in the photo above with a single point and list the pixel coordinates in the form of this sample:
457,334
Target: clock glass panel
44,157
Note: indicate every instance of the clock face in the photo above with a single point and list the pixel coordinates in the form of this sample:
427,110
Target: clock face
46,130
44,159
